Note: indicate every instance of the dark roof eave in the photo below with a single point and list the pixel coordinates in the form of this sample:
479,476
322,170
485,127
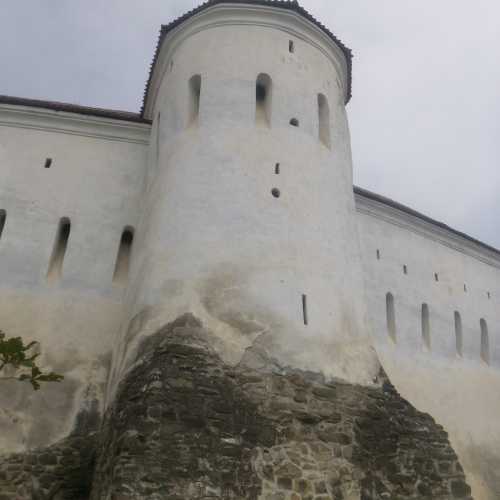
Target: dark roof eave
291,5
75,108
403,208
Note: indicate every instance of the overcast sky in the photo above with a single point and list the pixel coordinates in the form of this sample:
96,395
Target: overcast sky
425,112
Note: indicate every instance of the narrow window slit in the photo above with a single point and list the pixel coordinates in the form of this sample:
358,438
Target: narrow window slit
158,122
304,310
3,218
263,95
277,169
487,293
291,47
485,342
391,316
378,254
48,162
465,288
458,334
122,264
426,329
405,269
324,120
194,93
436,276
60,246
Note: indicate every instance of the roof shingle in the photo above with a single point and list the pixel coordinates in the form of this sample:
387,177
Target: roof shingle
74,108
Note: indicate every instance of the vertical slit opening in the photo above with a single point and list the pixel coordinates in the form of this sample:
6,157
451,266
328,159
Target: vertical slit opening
391,316
122,265
3,218
158,121
291,46
436,276
48,162
378,254
458,334
324,120
194,95
485,342
60,245
277,169
426,329
304,310
405,269
263,96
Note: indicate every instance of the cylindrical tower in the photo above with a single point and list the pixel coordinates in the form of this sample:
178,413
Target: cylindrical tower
248,218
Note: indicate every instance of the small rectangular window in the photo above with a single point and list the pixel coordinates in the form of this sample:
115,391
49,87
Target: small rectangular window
48,162
291,47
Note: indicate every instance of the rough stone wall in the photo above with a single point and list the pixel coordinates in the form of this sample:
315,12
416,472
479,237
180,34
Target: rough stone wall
187,426
61,471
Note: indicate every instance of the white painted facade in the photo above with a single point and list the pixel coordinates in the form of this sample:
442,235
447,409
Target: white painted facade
304,275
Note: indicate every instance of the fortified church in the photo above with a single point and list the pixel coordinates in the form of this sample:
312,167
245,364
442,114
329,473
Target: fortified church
232,317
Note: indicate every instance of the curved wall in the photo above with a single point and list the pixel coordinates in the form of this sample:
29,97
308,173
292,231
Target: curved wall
456,386
214,239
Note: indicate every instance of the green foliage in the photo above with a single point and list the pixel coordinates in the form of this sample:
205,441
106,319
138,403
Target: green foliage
15,354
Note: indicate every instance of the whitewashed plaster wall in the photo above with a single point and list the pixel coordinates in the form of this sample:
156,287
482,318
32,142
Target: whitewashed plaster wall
214,241
95,179
460,392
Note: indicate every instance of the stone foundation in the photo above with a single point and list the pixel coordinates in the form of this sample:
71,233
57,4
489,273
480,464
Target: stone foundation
186,426
61,471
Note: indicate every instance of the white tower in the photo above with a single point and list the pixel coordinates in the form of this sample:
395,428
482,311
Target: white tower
248,218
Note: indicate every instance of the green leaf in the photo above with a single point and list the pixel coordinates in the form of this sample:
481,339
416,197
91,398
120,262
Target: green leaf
14,354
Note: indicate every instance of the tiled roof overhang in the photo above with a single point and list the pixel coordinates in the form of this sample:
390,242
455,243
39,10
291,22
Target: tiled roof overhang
291,5
407,210
74,108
